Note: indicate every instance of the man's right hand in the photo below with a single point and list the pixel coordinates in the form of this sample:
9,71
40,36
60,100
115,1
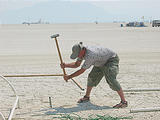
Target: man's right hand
62,65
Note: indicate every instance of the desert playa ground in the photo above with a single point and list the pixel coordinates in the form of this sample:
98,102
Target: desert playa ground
28,49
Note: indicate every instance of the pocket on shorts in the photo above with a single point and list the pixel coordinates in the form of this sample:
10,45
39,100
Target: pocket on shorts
114,70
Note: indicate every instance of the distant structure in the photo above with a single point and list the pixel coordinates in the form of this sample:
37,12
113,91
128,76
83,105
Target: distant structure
96,22
39,22
156,23
135,24
142,18
121,25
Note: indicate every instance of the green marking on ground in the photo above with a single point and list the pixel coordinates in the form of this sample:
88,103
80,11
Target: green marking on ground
90,117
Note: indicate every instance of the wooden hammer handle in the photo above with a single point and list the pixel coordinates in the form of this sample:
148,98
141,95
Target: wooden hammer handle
62,63
60,55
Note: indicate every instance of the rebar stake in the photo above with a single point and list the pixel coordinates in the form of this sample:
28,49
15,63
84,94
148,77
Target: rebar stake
50,102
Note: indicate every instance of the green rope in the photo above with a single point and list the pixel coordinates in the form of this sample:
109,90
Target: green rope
90,117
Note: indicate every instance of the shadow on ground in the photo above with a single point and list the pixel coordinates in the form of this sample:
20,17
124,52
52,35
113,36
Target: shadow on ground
78,108
66,109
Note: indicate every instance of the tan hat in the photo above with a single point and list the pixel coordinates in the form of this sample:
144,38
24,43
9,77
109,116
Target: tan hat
76,50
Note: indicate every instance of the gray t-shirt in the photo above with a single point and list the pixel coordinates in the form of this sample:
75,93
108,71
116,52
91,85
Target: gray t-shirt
96,56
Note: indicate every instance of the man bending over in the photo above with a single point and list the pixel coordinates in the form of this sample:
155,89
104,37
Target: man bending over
105,63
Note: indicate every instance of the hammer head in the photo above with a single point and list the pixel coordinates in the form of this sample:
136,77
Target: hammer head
54,36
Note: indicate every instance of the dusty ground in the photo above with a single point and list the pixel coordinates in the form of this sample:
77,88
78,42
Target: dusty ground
29,50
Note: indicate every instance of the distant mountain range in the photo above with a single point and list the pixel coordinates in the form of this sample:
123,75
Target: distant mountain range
83,12
58,12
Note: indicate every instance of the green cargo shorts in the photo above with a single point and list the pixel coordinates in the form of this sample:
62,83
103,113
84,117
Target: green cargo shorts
109,70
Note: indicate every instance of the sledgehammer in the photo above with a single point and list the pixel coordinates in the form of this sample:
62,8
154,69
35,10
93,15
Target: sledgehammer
55,36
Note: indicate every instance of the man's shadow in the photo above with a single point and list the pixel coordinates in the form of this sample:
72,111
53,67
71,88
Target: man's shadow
78,108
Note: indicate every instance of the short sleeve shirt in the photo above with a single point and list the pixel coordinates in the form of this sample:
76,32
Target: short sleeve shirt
96,56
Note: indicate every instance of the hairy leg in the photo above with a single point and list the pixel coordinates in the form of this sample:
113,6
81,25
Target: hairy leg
121,94
88,91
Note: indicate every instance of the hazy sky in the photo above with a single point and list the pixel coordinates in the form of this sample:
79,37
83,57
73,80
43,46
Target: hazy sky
75,11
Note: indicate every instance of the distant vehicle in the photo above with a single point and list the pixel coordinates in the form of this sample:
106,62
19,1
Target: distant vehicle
155,23
130,24
39,22
135,24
